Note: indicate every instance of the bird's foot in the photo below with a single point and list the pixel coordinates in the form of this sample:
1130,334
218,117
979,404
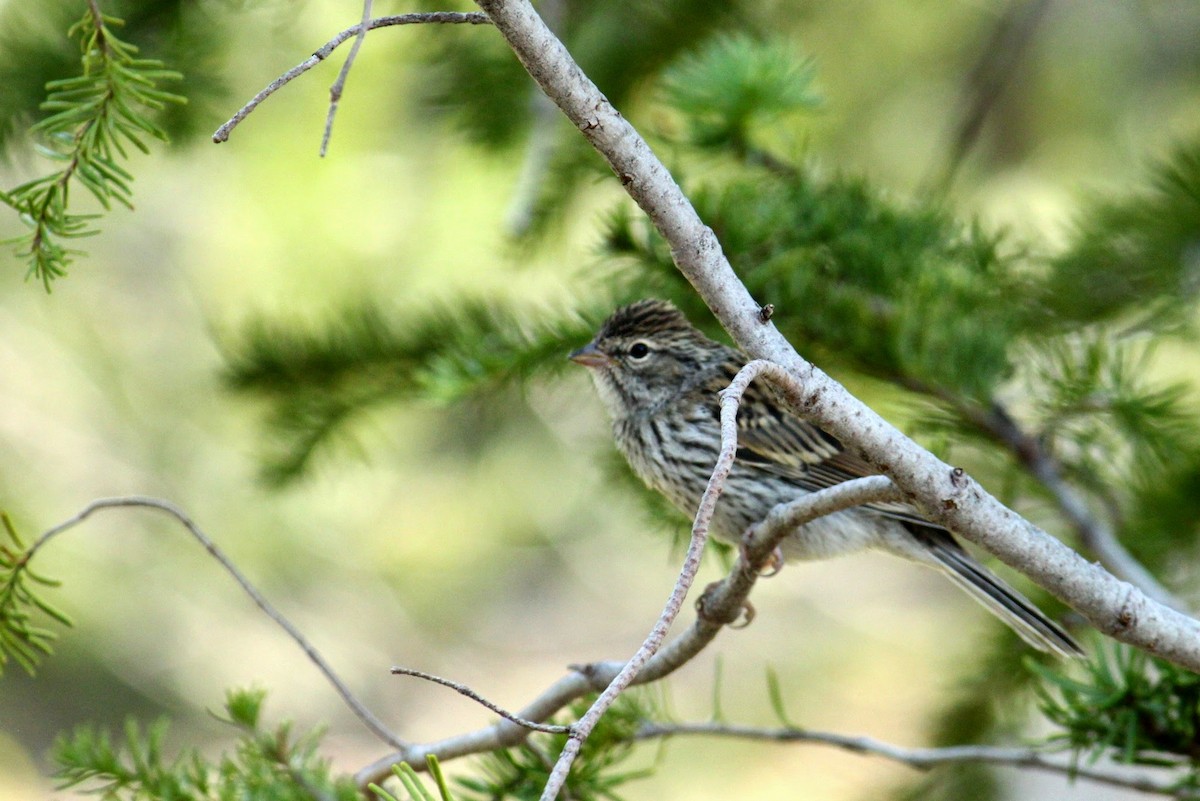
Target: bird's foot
704,609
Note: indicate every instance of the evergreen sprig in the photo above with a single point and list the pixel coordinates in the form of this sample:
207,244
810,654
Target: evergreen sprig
521,773
1135,260
274,764
1126,703
1099,409
317,380
733,87
21,602
900,291
95,115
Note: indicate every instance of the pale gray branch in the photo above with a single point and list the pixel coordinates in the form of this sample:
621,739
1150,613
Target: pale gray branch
946,495
322,53
1094,533
926,758
683,583
335,91
136,501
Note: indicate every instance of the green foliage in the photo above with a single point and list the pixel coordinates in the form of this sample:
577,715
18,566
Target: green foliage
1136,260
736,85
266,764
20,602
1162,525
413,784
1101,413
884,286
521,773
619,44
94,117
279,764
1142,710
318,380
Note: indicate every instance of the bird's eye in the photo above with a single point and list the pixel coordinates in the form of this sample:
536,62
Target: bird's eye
639,350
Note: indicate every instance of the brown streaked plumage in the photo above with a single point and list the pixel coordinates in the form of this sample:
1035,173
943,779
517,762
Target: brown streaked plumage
658,377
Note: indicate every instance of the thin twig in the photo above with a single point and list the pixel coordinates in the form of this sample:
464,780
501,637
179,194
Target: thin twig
921,758
463,689
687,575
335,91
322,53
369,720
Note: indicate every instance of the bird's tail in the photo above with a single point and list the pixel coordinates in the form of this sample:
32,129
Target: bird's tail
1002,600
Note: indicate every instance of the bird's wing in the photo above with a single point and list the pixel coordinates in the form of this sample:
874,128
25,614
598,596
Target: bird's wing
772,439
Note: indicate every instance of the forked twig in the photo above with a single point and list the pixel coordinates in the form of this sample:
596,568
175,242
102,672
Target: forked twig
322,53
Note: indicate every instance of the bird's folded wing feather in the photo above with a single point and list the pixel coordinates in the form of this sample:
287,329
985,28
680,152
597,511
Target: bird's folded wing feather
773,440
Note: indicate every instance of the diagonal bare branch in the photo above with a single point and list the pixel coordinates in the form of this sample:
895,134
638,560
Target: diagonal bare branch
946,495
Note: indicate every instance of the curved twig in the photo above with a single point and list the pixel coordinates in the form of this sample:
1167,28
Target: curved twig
721,603
462,689
136,501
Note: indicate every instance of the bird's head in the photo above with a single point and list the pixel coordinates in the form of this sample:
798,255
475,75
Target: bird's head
643,356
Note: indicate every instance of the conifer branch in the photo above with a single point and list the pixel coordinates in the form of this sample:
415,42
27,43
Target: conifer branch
721,605
1094,533
95,115
948,496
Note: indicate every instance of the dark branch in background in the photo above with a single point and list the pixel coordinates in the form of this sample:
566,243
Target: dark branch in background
998,424
986,81
356,706
1095,535
463,689
322,53
335,91
542,146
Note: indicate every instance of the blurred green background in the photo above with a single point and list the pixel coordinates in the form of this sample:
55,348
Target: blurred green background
482,544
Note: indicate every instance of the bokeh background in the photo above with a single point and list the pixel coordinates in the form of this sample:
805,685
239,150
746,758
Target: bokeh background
483,544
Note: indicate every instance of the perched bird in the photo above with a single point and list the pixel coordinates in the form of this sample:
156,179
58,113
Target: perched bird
658,377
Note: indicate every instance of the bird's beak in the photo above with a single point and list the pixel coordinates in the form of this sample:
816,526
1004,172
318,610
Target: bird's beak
590,356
